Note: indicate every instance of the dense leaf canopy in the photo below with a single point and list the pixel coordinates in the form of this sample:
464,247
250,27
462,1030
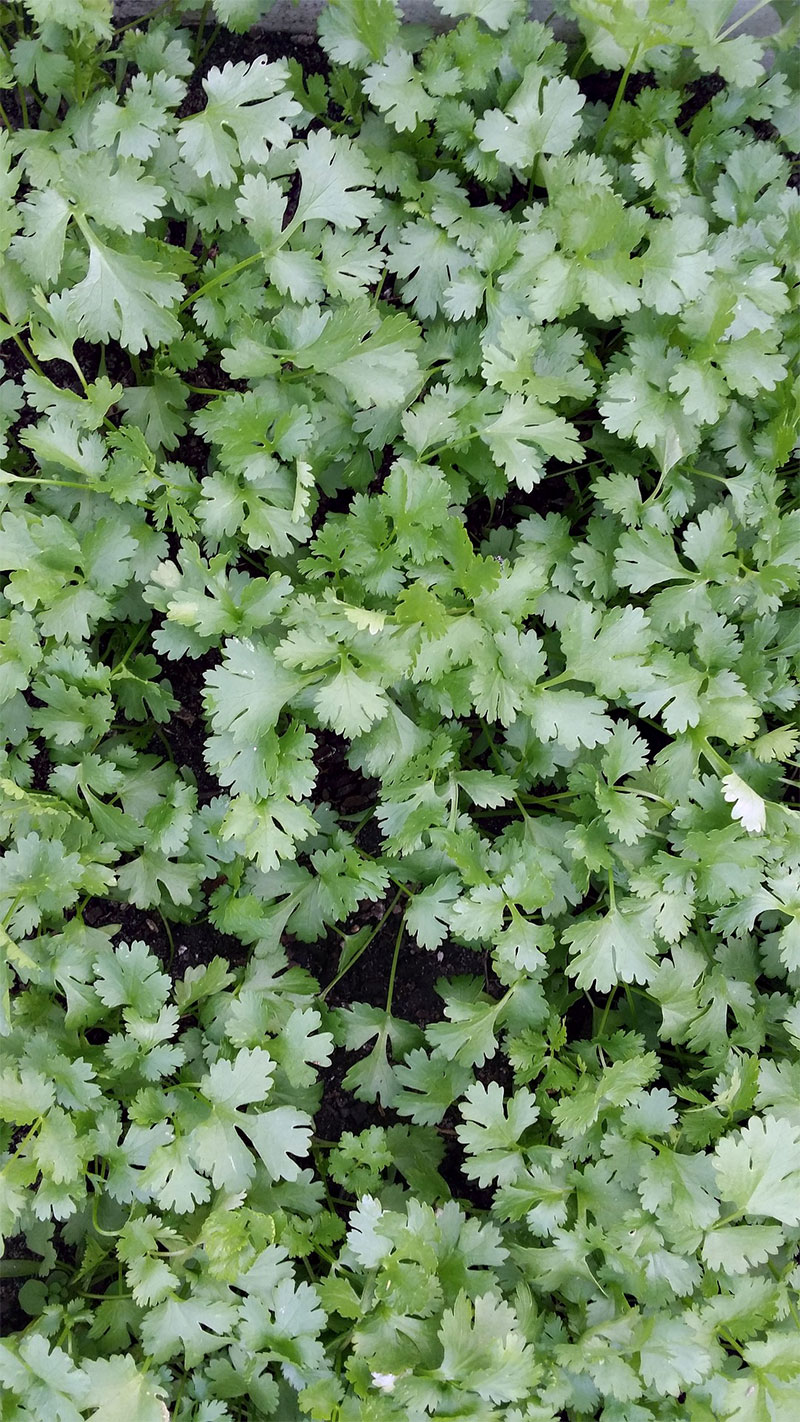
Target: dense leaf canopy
440,409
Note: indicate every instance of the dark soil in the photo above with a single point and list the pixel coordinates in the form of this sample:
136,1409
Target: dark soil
178,945
601,87
699,93
186,731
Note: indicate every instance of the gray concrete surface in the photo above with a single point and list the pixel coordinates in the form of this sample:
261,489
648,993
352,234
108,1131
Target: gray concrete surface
301,18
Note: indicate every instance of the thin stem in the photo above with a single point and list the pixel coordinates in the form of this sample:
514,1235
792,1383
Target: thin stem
9,914
731,1342
742,19
26,123
157,731
362,950
131,648
28,354
656,491
59,483
376,296
208,46
219,277
170,939
548,799
602,1023
577,69
107,1233
793,1311
148,15
395,959
20,88
621,87
201,27
17,1268
720,765
706,474
22,1144
728,1219
555,680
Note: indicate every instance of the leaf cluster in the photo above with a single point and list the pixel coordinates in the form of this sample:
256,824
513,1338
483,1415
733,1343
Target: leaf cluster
440,412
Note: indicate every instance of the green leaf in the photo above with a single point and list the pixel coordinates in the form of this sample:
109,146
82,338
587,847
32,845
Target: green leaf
115,1383
356,31
497,14
248,112
396,90
372,1078
335,182
484,1351
492,1131
130,977
427,916
758,1169
543,117
124,297
525,434
469,1034
620,947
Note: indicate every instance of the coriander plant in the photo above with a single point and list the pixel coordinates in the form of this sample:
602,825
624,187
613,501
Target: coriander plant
400,550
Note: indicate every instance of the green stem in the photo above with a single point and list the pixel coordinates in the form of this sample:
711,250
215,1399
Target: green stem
706,474
656,491
131,648
22,1144
720,765
362,950
201,28
157,731
220,277
18,1268
59,483
148,15
644,795
395,959
26,123
748,14
577,69
793,1311
621,87
20,88
555,681
9,914
208,46
728,1219
98,1228
602,1023
28,354
170,939
379,288
549,799
731,1342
